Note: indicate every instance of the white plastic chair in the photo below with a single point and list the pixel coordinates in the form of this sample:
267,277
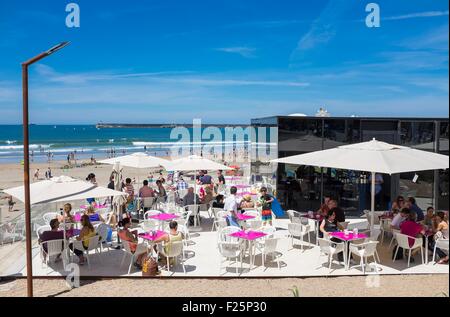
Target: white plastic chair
54,248
42,229
298,230
220,220
148,202
140,248
49,216
102,230
385,226
330,248
93,244
364,251
269,247
175,249
230,250
195,212
224,234
442,244
149,223
403,242
294,216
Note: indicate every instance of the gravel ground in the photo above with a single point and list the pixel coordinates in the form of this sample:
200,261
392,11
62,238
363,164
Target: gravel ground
391,286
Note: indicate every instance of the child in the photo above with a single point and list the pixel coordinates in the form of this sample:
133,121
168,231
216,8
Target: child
265,201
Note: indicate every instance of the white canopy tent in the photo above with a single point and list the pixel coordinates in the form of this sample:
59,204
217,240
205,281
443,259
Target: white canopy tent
194,163
374,157
137,160
61,188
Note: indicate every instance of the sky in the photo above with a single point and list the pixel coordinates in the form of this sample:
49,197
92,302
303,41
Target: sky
223,61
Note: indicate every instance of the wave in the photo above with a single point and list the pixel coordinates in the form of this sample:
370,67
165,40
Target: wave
10,142
20,147
189,143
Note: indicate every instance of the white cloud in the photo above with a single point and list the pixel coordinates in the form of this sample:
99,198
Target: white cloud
247,52
426,14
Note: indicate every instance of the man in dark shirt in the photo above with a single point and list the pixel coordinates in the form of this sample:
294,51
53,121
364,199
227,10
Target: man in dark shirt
205,179
413,207
53,234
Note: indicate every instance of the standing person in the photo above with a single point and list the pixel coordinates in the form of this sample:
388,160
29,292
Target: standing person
265,201
68,159
146,191
378,187
205,179
36,174
231,205
181,184
160,188
48,173
91,179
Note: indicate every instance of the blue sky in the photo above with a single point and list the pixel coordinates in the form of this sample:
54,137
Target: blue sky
224,61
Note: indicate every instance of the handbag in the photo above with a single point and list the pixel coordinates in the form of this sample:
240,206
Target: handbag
150,267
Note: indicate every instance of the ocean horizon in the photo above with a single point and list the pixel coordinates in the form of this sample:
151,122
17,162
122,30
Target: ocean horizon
88,140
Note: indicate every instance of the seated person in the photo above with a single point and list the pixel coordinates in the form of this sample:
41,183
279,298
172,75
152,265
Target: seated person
87,232
412,205
188,199
247,202
146,191
429,218
173,236
208,196
219,202
411,228
398,204
323,210
399,218
440,232
93,216
331,224
340,215
125,234
66,216
53,234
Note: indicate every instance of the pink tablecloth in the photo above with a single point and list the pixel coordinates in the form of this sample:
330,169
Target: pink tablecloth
341,235
164,217
249,235
246,193
243,217
72,233
148,235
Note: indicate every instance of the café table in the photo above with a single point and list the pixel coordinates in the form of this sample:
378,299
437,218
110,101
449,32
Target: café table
347,238
249,237
162,217
151,237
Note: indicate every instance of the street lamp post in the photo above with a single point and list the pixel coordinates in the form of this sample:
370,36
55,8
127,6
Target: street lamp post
26,160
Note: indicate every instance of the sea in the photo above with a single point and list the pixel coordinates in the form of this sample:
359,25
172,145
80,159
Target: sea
86,141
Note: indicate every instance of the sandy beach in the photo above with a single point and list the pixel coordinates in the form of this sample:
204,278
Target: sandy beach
390,286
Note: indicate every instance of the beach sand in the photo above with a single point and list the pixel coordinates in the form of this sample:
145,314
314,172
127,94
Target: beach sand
390,286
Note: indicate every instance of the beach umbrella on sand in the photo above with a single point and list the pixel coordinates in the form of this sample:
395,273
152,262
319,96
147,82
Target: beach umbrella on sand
194,163
374,157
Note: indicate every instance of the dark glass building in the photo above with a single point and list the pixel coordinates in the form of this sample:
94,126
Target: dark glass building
303,187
